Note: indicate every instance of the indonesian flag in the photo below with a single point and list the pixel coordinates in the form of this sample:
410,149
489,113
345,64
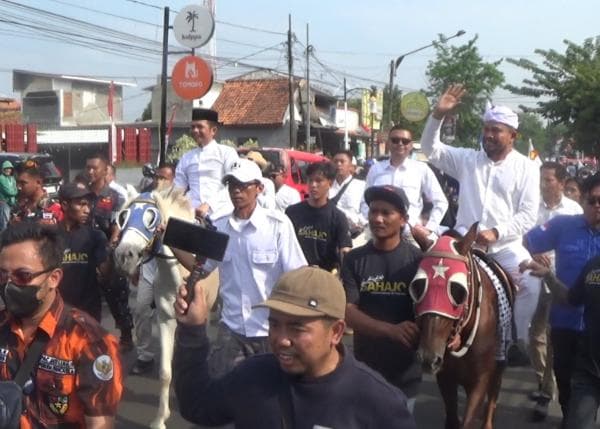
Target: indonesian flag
533,154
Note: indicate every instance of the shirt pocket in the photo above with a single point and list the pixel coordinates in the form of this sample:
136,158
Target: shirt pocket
264,256
55,396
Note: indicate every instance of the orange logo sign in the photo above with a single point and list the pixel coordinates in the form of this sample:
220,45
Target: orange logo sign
191,77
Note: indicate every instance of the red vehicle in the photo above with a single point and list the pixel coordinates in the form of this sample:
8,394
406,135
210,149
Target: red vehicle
294,161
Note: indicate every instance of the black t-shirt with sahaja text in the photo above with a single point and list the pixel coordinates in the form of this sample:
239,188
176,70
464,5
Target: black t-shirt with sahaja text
85,250
321,231
377,283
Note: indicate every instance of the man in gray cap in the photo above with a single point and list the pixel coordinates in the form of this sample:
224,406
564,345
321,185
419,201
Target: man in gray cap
85,259
499,189
309,379
376,278
201,169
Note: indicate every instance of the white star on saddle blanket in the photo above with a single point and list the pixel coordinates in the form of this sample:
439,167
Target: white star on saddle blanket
439,270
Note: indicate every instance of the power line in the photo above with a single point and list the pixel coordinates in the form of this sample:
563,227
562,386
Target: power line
145,4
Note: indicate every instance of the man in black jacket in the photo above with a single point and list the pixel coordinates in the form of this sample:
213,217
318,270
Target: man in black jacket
309,380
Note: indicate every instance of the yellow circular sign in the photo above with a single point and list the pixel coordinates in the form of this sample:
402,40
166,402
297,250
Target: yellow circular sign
414,106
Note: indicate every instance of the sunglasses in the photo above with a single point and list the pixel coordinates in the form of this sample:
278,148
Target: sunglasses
396,140
21,277
592,201
242,186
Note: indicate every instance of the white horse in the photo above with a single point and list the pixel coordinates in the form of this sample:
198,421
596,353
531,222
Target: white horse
139,220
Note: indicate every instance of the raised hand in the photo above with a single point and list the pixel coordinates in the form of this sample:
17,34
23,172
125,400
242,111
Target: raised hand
449,100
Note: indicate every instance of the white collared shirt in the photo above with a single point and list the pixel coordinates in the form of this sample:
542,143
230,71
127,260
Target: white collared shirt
566,206
504,195
267,197
201,170
418,181
286,196
349,202
258,253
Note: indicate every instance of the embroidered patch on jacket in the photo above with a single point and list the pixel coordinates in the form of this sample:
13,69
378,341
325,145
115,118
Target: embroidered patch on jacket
57,366
103,367
58,404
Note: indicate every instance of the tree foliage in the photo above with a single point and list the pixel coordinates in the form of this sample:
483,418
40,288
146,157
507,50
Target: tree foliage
569,88
147,113
532,128
182,145
463,64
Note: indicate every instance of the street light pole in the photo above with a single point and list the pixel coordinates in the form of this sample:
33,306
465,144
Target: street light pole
394,66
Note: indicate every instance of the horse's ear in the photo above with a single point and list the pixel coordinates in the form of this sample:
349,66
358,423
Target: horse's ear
421,237
131,192
463,245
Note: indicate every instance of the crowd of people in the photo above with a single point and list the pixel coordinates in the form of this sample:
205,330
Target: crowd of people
297,276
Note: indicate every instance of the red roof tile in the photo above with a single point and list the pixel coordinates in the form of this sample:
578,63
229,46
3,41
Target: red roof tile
253,102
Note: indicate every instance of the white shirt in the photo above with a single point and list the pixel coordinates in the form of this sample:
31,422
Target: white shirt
349,202
504,195
566,206
123,195
201,170
417,180
267,197
257,254
286,196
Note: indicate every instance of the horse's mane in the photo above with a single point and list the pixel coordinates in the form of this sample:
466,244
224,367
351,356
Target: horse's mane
169,201
173,202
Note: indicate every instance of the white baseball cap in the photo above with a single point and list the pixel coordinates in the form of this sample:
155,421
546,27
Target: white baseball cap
244,171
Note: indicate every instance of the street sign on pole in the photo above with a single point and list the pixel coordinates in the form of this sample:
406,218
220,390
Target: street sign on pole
414,106
191,78
194,25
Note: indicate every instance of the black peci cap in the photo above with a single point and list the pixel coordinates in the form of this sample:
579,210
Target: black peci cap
391,194
207,114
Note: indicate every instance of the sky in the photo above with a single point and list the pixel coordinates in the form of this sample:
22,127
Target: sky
349,38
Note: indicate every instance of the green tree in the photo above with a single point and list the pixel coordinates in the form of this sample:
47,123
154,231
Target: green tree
463,64
531,127
147,113
569,88
182,145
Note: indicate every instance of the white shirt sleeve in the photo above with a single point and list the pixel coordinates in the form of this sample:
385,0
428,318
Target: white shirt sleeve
443,156
369,180
527,210
181,180
220,203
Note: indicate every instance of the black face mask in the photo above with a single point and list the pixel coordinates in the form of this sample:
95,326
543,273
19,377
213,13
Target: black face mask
21,301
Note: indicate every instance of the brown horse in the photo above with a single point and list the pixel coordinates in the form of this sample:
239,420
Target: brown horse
457,314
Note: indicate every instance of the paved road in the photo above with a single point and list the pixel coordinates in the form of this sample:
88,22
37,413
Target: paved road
140,400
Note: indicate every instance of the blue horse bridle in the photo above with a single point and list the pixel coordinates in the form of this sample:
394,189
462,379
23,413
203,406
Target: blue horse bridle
143,218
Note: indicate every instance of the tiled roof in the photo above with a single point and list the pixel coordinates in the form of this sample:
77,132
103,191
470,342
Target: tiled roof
253,102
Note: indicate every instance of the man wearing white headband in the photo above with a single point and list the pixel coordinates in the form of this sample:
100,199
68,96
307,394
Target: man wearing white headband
499,188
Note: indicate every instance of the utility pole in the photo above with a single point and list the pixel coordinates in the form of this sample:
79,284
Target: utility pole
346,139
390,94
162,151
307,125
291,85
